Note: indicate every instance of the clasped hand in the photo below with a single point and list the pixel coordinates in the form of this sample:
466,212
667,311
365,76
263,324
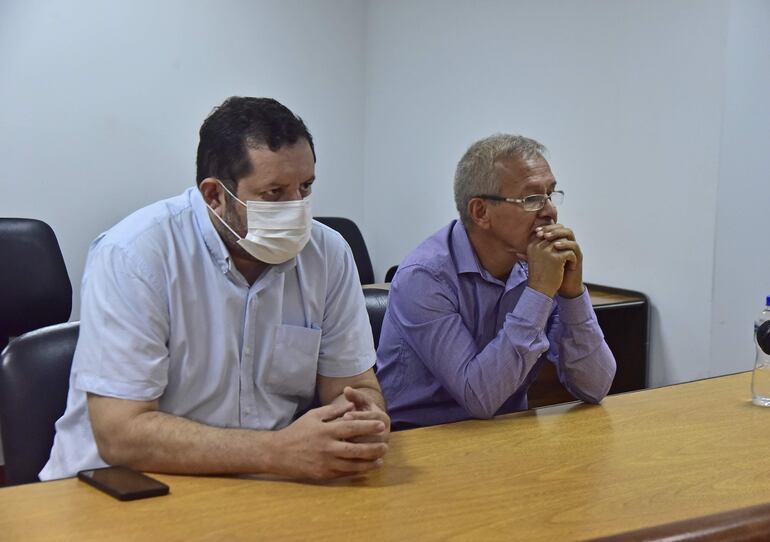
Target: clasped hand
344,438
555,261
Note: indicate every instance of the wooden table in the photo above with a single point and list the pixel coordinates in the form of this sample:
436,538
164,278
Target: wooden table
558,473
600,295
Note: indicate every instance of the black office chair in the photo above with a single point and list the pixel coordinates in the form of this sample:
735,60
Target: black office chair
350,232
35,290
34,381
390,273
376,305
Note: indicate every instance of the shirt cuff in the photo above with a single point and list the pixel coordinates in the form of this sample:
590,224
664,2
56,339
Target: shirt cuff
534,308
119,390
576,310
354,367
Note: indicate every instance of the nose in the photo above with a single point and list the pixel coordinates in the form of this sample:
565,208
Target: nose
294,195
548,210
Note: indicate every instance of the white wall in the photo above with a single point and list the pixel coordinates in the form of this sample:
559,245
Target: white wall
651,109
626,95
101,102
742,248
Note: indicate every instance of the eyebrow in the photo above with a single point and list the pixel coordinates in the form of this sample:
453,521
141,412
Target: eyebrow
548,186
283,185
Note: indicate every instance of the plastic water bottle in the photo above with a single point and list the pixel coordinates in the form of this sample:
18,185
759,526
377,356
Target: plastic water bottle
760,380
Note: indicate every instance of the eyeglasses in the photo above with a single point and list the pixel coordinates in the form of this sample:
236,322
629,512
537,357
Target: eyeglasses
535,202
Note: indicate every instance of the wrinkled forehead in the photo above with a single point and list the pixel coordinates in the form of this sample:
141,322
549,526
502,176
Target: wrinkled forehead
519,176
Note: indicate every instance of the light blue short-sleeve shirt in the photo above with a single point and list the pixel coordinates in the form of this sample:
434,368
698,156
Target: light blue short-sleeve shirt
165,315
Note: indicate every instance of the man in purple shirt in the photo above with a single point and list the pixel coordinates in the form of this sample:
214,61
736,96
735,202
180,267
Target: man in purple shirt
479,306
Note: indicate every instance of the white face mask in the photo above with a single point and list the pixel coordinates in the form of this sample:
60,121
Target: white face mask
277,230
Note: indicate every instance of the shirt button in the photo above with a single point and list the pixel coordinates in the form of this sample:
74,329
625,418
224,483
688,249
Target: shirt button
246,351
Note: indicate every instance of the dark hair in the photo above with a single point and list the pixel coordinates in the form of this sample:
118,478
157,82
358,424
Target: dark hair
239,124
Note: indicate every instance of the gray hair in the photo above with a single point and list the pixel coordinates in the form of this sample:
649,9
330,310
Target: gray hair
475,174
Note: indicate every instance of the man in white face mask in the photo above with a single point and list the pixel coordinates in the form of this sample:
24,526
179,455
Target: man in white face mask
211,321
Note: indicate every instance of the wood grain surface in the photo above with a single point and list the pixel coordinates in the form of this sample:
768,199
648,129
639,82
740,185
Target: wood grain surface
567,472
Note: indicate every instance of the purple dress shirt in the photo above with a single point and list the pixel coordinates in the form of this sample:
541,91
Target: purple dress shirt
457,343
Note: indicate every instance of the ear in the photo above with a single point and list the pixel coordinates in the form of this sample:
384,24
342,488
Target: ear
212,193
478,210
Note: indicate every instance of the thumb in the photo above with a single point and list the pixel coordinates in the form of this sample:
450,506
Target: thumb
570,261
359,399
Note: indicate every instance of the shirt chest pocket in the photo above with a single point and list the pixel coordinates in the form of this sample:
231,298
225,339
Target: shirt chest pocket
293,364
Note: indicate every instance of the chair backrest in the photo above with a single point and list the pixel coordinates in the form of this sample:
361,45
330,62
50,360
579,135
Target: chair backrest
34,381
376,305
35,290
350,232
390,273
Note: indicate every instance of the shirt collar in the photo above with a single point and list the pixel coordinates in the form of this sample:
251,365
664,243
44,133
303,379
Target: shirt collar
466,260
211,238
465,257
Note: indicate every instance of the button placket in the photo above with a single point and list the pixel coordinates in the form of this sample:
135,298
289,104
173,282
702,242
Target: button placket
248,400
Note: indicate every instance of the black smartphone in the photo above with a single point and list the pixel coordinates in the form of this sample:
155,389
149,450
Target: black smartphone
123,483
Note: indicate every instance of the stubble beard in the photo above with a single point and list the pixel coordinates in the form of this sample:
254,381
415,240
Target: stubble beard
237,223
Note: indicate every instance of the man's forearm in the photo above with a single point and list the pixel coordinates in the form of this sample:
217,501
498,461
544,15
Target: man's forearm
502,367
160,442
586,364
589,378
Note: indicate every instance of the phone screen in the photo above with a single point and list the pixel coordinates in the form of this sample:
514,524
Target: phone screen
123,483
